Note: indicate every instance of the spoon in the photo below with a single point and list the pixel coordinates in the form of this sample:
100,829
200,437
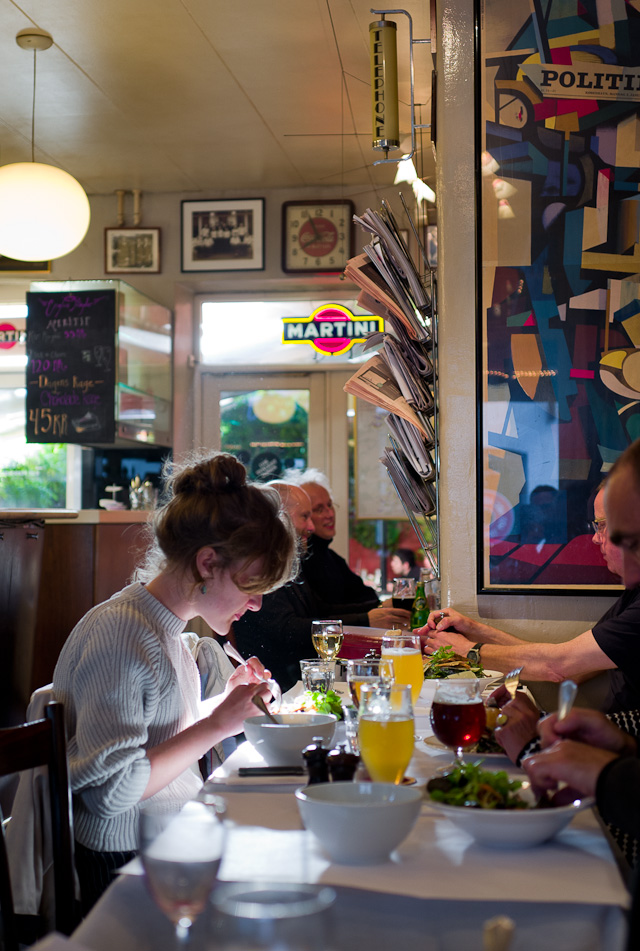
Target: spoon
261,705
566,695
273,685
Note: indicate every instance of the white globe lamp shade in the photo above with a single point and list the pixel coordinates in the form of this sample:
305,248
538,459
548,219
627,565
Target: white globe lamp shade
44,212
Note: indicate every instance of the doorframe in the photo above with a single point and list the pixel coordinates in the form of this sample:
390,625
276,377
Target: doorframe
328,423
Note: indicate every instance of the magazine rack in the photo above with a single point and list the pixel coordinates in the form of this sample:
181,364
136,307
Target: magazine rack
402,375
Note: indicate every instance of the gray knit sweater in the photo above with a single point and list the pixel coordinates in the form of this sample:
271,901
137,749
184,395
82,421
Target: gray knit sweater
128,683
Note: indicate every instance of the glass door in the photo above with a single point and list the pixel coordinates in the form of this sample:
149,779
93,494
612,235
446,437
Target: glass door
271,421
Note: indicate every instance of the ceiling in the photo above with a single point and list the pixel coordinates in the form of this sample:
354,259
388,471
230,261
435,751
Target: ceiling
202,96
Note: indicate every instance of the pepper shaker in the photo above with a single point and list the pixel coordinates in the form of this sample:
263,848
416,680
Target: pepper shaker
315,757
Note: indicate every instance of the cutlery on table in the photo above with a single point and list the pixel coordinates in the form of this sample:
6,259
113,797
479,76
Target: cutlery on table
566,695
510,681
261,705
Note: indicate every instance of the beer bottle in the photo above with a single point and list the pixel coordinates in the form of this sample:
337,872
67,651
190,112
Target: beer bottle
420,610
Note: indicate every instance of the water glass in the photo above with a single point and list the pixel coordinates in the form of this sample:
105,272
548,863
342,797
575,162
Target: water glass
386,731
282,916
180,849
317,674
367,670
350,717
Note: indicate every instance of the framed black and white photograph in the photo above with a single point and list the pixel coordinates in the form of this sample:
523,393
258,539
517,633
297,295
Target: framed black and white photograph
223,235
132,250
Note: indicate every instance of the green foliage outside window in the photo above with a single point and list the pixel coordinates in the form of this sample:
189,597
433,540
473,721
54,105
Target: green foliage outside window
37,481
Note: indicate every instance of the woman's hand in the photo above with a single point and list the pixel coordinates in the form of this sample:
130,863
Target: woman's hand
251,672
229,716
566,761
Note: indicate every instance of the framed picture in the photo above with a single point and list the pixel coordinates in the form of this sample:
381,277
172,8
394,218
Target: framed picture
558,293
223,235
132,250
33,267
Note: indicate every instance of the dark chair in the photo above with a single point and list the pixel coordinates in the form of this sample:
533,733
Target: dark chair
36,744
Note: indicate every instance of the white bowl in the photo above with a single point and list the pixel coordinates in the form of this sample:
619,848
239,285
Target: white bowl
512,828
359,823
281,744
428,690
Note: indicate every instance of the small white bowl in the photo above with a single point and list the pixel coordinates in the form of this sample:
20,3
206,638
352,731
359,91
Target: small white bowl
359,823
281,744
512,828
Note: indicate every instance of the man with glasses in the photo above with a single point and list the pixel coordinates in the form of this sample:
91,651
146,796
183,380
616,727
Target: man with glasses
612,644
325,570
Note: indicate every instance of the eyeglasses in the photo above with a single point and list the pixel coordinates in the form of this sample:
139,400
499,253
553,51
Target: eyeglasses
321,509
599,526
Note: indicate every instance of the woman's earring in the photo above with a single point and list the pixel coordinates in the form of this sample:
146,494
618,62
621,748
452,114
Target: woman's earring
203,587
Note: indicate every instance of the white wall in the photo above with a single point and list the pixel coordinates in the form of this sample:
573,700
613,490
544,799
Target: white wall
548,618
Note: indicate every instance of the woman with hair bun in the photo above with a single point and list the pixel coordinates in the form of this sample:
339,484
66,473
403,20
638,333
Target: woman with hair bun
129,684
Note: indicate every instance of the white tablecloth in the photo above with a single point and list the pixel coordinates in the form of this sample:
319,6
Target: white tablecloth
433,895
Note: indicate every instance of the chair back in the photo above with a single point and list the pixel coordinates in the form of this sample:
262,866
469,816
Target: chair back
42,743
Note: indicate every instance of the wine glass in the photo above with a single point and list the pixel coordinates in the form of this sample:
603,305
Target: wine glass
180,850
457,715
327,638
385,730
403,593
406,653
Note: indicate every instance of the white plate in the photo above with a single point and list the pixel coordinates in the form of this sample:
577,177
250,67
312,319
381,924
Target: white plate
471,756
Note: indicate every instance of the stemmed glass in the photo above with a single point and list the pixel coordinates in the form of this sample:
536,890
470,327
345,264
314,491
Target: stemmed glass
181,853
385,731
457,715
327,638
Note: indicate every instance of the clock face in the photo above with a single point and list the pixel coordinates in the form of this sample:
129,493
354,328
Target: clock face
316,236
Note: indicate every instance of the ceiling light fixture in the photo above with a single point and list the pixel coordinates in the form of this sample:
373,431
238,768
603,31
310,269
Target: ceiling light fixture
44,211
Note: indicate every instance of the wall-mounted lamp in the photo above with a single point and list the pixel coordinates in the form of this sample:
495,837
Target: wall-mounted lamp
384,84
44,211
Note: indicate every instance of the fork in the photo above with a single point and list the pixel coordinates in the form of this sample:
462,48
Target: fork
510,681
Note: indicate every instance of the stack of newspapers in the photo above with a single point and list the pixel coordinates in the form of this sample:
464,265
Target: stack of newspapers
400,376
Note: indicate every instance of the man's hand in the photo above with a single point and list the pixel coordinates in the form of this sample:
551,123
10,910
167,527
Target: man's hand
389,617
566,761
587,726
521,725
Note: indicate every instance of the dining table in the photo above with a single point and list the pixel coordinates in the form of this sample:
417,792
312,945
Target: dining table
435,893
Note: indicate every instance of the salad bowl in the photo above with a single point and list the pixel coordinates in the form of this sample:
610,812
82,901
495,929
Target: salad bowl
281,743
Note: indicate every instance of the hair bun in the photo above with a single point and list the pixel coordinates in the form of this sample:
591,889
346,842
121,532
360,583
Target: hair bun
222,473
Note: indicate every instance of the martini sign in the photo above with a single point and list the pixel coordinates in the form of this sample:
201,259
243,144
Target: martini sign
331,329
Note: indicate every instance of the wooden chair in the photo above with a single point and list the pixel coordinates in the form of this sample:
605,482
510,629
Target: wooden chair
30,745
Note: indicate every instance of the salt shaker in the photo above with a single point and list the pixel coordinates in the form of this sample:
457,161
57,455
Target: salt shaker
342,764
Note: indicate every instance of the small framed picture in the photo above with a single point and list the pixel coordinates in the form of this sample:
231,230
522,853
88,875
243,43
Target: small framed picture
132,250
223,235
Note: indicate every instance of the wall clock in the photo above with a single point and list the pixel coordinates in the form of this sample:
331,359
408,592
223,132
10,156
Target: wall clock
316,235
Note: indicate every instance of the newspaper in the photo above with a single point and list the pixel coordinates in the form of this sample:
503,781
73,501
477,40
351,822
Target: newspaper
374,382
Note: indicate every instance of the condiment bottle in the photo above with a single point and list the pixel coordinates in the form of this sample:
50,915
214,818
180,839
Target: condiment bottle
342,764
315,758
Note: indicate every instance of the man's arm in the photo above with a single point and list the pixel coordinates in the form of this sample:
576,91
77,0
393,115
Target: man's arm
579,658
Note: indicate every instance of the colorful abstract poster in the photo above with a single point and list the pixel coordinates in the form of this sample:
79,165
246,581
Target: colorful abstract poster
559,374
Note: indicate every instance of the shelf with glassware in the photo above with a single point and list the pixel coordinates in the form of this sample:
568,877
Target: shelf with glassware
401,376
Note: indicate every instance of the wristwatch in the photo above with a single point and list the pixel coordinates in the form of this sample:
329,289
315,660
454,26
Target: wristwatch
473,656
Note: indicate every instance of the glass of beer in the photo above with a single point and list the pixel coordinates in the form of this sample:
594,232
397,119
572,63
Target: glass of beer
457,715
403,593
327,638
367,670
385,731
405,652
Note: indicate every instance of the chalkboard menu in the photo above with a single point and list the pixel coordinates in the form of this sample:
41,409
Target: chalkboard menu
71,372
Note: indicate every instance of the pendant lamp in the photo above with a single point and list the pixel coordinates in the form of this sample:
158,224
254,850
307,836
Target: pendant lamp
44,211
